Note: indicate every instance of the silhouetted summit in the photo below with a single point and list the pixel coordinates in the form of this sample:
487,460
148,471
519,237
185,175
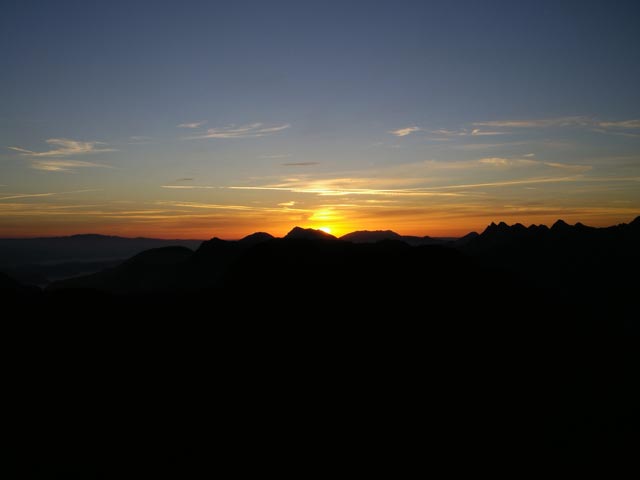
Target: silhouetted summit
576,257
560,231
374,236
370,236
561,226
256,238
299,233
572,257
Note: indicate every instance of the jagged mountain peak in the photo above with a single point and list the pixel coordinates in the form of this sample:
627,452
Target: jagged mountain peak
299,233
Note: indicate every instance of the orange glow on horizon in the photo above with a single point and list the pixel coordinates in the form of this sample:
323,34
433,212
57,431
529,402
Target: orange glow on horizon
236,228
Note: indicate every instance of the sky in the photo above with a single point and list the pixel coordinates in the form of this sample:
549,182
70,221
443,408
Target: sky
194,119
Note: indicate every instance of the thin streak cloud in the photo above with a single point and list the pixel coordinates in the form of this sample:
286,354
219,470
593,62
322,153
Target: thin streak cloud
328,192
64,148
403,132
476,132
575,121
48,194
244,131
631,124
191,124
65,165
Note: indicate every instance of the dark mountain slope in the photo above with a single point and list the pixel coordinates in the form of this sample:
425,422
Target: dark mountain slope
152,270
334,327
169,268
79,248
11,290
368,236
308,234
563,256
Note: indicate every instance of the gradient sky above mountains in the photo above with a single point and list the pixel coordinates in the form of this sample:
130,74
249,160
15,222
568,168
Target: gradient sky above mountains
202,118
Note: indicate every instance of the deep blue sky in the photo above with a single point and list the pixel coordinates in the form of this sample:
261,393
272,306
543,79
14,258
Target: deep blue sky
337,76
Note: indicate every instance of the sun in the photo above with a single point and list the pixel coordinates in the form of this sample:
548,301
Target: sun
325,229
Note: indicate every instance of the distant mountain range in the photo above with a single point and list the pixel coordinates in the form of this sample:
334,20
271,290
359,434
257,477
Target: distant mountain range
97,261
304,258
86,247
313,257
515,329
39,261
368,236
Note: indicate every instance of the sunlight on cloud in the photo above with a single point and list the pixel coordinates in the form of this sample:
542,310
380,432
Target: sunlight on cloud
26,195
476,132
191,124
244,131
10,196
621,124
577,121
613,127
403,132
64,165
65,147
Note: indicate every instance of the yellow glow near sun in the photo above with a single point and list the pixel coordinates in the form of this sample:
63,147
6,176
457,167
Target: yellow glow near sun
325,229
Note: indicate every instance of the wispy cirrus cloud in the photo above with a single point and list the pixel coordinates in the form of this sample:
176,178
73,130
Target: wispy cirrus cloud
13,196
65,165
403,132
26,195
476,132
601,126
630,124
299,164
64,147
576,121
428,178
191,124
251,130
529,162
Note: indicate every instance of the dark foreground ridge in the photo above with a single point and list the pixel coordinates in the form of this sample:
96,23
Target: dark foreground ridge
521,340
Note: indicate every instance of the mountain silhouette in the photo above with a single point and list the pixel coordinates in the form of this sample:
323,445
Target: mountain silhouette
579,257
12,291
39,261
151,270
299,233
576,258
517,329
369,236
256,238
